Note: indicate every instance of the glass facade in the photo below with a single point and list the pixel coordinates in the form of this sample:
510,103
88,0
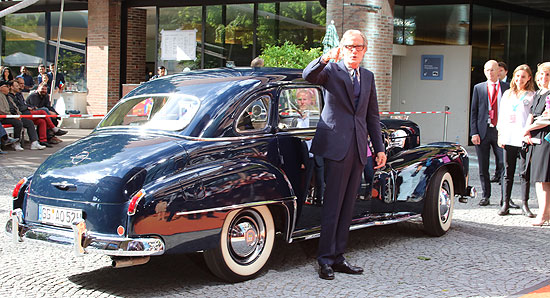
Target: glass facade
508,36
235,33
431,24
28,40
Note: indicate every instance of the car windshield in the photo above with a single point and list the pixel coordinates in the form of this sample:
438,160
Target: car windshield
159,111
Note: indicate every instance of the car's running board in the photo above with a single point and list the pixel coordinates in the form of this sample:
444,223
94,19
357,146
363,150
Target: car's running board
359,223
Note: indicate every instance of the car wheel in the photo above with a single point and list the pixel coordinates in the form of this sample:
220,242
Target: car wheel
438,209
246,243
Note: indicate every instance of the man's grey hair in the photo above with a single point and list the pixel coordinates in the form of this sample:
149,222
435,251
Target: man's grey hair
351,32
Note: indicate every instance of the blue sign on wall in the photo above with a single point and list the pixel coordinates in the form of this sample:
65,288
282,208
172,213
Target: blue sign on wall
432,67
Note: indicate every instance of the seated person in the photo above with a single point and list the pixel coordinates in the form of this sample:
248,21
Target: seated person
307,105
8,107
46,128
40,99
313,164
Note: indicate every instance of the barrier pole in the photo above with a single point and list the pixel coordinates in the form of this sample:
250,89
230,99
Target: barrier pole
446,121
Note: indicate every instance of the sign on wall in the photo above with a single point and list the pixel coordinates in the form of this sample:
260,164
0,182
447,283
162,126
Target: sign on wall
432,67
178,44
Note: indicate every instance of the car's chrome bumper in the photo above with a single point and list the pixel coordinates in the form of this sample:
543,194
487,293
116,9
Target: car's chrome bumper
82,240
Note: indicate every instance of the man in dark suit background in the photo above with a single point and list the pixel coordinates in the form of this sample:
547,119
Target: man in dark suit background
483,120
349,116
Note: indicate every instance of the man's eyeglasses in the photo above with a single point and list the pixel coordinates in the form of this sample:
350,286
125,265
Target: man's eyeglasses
357,47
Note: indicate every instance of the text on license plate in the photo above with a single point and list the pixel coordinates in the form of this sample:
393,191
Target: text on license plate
58,216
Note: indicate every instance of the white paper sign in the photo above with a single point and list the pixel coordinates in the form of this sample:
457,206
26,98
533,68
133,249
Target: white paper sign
178,45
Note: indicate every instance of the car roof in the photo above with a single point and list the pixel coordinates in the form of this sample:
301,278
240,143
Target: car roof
263,75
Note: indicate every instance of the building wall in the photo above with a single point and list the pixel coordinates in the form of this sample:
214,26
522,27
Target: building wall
136,46
411,94
103,55
378,27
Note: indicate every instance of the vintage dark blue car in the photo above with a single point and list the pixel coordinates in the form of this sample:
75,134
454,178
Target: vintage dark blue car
218,161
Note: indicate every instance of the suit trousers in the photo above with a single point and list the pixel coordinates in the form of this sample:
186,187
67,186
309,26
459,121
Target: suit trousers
342,182
511,155
483,159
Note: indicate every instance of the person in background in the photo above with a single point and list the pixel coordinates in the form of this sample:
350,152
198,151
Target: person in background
307,105
537,134
161,72
483,120
257,62
43,76
515,106
27,79
6,74
46,128
8,107
39,99
503,72
59,78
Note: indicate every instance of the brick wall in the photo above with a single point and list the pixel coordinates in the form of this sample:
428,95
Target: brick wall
378,27
136,43
103,56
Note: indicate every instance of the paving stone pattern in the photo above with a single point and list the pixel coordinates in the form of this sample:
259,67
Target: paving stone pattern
483,255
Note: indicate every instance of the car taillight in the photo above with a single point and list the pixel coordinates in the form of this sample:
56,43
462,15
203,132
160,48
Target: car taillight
134,201
17,188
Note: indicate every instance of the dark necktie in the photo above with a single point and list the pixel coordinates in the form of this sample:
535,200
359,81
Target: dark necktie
494,106
356,87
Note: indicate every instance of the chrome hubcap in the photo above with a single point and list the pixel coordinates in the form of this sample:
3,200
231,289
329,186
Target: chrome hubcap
444,202
246,237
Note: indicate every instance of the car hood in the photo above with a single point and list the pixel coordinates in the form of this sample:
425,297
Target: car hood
107,167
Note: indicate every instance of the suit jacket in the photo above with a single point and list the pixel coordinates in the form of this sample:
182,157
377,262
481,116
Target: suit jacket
340,119
479,110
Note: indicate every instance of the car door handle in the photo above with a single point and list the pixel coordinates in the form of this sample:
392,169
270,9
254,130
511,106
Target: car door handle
64,186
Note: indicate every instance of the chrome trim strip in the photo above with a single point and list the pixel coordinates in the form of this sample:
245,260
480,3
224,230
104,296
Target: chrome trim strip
293,226
363,225
69,200
223,139
91,242
232,207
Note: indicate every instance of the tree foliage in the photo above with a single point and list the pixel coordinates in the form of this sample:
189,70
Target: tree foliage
289,55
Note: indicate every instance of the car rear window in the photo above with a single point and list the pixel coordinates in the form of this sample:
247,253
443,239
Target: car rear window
159,111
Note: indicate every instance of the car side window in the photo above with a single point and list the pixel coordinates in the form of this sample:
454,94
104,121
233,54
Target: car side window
299,108
255,116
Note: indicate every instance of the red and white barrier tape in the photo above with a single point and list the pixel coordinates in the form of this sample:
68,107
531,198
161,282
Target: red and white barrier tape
411,113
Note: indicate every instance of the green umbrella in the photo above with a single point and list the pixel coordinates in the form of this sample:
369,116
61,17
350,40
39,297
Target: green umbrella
331,39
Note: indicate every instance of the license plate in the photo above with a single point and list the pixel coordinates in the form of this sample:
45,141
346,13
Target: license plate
58,216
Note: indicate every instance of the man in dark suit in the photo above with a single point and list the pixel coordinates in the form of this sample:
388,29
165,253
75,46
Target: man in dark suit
483,120
349,116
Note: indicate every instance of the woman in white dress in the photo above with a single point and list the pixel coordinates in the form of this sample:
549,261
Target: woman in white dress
514,109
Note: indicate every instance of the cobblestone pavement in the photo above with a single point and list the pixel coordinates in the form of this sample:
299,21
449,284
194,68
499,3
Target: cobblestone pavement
483,255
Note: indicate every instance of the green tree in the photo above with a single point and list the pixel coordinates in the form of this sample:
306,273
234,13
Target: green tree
289,55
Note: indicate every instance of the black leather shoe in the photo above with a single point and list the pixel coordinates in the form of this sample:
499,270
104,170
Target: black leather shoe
503,211
347,268
525,210
484,202
46,144
326,272
61,132
513,205
495,179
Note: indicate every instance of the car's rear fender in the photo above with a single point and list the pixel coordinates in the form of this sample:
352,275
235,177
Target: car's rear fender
415,173
188,211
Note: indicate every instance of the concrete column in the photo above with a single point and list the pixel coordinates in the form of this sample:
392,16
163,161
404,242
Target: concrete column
378,27
103,56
